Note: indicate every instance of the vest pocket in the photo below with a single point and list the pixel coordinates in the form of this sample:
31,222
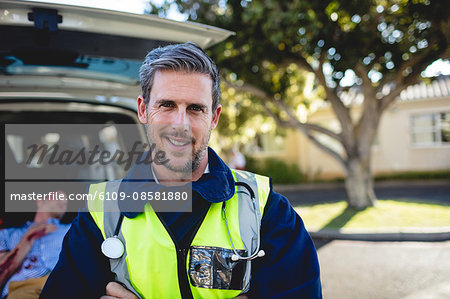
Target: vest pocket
212,268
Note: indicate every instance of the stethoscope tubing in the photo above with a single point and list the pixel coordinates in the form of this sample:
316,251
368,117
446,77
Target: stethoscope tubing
255,254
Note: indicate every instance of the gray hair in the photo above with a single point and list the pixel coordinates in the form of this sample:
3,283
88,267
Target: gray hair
187,57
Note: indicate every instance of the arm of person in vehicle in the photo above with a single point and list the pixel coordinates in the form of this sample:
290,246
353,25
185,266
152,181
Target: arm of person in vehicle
290,268
82,270
10,261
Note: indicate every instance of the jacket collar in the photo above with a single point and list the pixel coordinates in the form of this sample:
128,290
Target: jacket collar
215,186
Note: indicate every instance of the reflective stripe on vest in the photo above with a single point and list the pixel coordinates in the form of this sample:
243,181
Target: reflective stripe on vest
106,215
149,264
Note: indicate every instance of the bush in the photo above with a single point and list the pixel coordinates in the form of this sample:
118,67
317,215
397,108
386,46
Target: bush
279,171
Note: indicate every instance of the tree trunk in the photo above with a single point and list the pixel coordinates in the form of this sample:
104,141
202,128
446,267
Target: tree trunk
359,184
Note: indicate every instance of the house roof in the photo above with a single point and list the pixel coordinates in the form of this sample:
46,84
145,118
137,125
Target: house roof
437,88
434,88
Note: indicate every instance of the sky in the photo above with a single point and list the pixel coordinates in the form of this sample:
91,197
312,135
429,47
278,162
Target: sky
439,67
133,6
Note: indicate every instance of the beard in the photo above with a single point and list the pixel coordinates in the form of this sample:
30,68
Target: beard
191,164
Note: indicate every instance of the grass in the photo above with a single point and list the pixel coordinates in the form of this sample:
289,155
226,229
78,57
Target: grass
386,215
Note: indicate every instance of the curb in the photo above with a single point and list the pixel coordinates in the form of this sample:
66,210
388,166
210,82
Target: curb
380,237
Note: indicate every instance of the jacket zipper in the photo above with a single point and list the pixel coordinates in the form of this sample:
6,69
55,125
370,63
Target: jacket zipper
183,279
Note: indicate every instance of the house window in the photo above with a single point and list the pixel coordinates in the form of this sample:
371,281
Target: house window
430,129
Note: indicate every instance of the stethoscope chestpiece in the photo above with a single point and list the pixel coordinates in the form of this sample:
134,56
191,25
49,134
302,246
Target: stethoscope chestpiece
112,247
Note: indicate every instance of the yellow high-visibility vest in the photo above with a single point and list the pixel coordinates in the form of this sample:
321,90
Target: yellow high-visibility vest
152,265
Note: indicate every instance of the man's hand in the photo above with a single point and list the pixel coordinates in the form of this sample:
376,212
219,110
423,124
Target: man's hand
33,233
11,261
116,290
39,230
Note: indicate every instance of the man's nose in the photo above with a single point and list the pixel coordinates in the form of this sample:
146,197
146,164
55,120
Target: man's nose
181,118
181,122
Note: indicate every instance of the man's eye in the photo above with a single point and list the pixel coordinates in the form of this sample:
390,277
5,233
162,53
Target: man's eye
167,105
196,108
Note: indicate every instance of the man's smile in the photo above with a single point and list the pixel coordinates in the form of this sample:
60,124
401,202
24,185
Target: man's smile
178,142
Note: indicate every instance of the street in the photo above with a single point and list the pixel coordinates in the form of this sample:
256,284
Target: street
418,190
357,269
410,270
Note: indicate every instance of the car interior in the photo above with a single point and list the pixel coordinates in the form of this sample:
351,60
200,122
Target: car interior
69,131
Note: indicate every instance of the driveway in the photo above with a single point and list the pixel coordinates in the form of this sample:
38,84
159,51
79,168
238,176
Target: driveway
410,270
358,269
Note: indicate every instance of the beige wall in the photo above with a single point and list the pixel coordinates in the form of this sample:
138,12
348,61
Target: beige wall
396,152
393,151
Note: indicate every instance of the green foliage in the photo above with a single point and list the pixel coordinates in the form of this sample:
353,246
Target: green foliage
279,171
276,41
243,115
386,43
383,35
238,113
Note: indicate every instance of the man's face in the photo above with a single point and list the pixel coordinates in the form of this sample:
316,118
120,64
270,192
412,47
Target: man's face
180,117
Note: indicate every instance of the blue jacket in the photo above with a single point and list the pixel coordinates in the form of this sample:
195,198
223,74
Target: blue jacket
289,269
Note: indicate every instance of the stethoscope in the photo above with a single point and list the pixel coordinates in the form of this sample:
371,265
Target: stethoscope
113,247
257,253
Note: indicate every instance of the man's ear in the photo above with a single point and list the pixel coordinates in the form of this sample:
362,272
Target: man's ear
215,118
142,111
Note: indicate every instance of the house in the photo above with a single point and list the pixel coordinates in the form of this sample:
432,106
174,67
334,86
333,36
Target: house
414,135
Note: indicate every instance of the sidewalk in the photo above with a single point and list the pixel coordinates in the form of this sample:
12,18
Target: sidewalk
408,270
411,234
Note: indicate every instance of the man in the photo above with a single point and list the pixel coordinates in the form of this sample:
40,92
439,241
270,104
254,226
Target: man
241,238
237,160
29,253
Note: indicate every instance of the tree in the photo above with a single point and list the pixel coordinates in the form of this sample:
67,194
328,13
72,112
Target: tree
383,44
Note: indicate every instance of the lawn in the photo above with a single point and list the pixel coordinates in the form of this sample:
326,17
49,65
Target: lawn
387,215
